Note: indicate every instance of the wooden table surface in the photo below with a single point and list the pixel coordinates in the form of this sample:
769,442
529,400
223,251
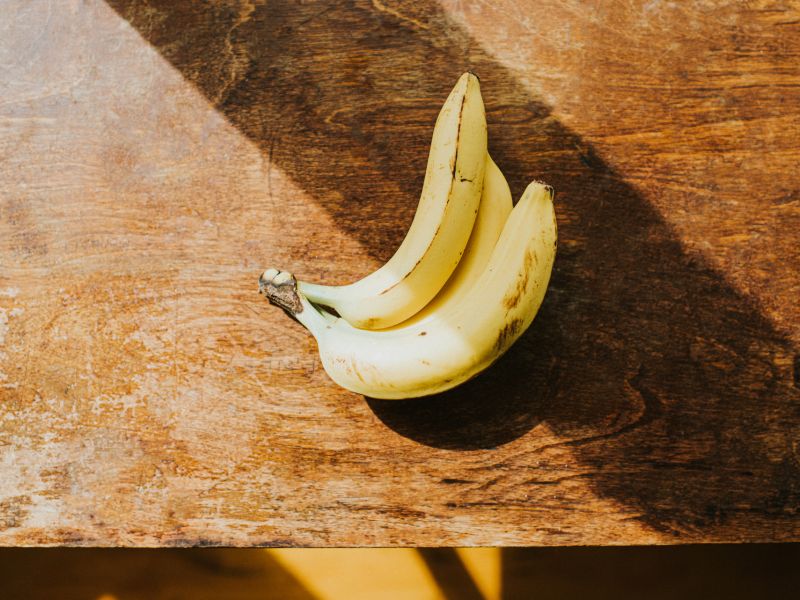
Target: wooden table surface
156,155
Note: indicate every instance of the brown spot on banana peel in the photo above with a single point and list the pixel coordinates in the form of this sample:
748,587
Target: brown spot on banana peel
458,136
508,334
512,299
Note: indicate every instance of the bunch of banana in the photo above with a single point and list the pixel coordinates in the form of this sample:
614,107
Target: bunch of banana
465,283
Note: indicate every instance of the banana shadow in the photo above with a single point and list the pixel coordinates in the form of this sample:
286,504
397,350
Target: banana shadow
672,389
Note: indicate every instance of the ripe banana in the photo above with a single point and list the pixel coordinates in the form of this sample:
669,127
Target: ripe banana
462,336
495,207
441,227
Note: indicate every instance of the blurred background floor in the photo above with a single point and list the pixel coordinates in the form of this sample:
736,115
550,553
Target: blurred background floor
722,571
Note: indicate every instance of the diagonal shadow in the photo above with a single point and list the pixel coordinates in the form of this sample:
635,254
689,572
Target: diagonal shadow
133,574
730,571
667,384
450,574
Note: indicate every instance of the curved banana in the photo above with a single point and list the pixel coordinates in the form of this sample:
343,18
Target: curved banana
441,227
457,341
495,207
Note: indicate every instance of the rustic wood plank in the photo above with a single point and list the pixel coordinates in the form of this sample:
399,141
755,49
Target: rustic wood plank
156,155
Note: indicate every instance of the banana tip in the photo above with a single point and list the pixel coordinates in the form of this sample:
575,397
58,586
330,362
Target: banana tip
536,185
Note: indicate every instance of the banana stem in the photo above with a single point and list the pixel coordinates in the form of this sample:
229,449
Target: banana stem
280,288
319,294
330,318
312,318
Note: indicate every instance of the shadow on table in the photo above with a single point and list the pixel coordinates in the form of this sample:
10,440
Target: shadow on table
672,388
730,572
126,574
724,571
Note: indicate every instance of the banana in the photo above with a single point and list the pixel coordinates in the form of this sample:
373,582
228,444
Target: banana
495,207
441,227
465,333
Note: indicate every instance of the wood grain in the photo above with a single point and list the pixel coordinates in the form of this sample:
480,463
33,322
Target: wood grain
155,156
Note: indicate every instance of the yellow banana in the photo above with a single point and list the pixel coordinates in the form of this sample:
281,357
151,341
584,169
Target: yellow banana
495,206
462,334
441,227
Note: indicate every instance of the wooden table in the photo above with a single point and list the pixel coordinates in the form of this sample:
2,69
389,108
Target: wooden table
156,156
